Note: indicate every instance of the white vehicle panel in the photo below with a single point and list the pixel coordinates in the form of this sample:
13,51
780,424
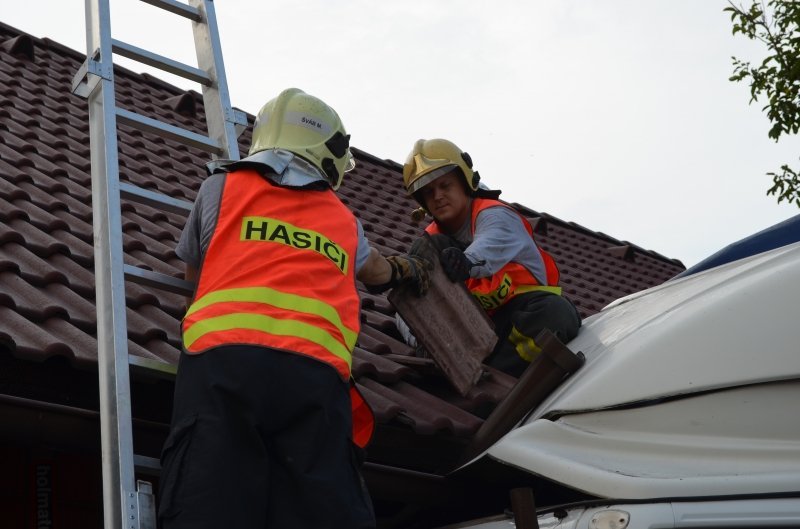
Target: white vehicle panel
736,441
732,325
731,514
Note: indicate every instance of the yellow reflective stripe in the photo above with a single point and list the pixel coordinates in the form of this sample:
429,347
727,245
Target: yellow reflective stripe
533,288
281,300
268,324
525,346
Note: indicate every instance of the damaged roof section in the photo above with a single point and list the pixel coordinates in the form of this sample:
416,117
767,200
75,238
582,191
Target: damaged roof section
448,323
47,303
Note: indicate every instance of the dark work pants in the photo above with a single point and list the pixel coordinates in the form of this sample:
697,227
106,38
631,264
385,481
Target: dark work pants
261,439
520,320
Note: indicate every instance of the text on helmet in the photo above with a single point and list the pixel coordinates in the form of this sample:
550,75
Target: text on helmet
309,122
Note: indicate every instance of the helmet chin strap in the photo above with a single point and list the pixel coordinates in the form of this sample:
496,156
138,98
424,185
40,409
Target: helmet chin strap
330,170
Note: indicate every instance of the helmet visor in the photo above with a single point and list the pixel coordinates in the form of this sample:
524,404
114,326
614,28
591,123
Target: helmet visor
426,179
350,164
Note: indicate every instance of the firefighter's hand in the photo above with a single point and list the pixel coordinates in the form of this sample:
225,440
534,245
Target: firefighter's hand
455,264
413,269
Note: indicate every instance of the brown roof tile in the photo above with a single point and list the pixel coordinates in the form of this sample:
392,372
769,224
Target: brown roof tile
379,367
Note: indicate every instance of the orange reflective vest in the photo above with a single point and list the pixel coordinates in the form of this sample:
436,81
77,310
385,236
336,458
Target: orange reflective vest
279,272
512,279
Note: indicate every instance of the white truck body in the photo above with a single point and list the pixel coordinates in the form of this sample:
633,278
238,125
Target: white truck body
687,410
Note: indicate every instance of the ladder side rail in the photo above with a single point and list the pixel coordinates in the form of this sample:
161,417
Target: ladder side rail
120,501
128,504
221,119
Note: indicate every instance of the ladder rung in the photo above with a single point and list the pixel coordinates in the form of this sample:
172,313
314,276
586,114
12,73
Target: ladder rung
187,137
159,61
149,466
154,199
164,282
179,8
150,367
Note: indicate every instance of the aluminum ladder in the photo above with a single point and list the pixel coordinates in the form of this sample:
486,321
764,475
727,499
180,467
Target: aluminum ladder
127,503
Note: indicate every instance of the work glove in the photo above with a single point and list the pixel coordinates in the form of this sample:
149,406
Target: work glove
411,269
455,264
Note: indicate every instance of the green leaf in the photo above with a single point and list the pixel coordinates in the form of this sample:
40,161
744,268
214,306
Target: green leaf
776,25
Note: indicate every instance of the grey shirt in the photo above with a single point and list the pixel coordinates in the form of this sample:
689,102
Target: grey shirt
286,169
500,238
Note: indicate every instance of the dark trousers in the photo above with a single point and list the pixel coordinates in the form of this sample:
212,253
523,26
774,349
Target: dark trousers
520,320
261,439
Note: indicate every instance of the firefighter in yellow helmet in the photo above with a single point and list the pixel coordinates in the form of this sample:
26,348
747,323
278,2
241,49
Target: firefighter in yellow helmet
490,247
265,415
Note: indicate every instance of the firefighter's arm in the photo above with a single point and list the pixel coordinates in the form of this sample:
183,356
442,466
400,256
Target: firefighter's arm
382,273
376,269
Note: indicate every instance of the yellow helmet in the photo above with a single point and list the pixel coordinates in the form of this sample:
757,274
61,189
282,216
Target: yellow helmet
302,124
430,159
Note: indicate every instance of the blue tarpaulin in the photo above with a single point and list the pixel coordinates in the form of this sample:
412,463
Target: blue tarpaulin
781,234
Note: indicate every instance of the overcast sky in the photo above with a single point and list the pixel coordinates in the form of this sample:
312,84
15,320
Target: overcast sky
617,115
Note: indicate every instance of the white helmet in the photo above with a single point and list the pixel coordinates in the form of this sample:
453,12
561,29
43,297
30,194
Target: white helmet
302,124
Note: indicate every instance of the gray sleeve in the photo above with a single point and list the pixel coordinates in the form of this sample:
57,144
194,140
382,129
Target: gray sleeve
363,247
500,237
202,220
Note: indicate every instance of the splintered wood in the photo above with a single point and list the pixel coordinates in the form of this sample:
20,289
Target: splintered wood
449,324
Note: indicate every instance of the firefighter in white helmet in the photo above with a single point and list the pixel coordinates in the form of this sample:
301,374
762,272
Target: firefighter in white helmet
266,416
490,247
